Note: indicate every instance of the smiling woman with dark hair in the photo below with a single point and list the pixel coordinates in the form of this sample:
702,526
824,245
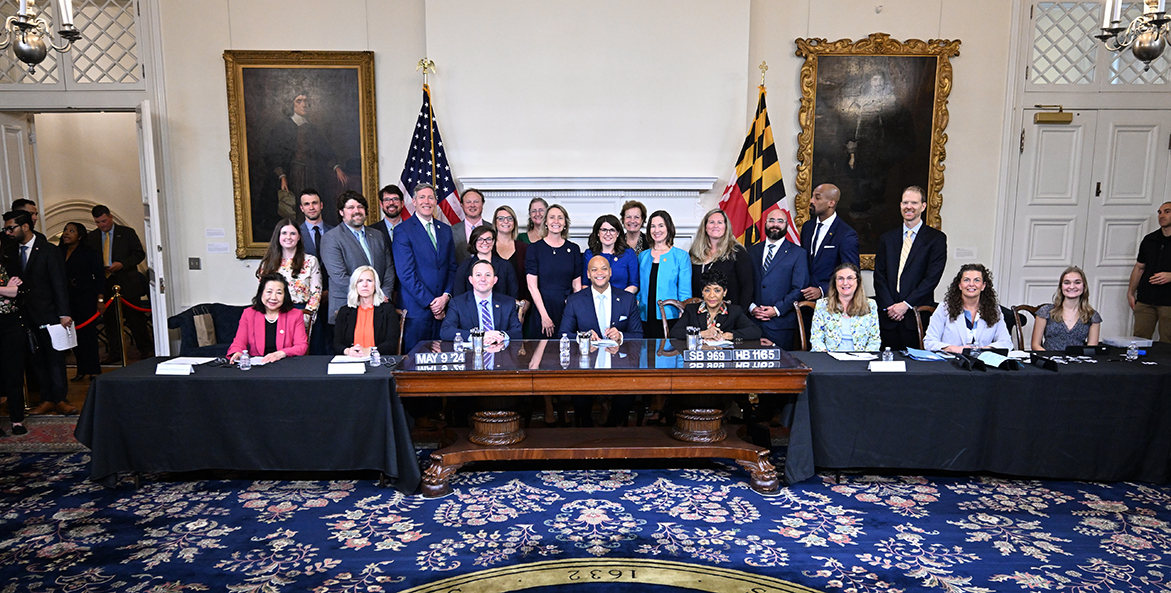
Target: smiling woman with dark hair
969,316
271,326
87,282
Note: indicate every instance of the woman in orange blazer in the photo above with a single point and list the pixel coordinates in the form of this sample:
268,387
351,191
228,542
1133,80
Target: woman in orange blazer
271,327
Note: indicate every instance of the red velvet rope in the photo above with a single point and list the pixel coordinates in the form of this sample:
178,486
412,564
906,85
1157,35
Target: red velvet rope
127,303
90,320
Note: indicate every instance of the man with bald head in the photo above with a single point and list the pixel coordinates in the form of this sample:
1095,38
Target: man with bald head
828,240
605,313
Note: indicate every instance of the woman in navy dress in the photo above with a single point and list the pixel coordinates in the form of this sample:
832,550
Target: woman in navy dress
553,271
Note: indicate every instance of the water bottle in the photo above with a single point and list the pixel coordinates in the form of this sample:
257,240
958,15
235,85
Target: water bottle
1132,351
564,350
245,361
459,342
887,355
375,358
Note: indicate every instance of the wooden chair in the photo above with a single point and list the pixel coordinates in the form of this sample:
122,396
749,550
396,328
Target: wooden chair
920,312
663,303
803,324
402,324
1019,331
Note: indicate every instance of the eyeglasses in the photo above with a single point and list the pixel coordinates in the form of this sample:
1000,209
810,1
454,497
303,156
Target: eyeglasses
508,218
484,239
10,228
607,231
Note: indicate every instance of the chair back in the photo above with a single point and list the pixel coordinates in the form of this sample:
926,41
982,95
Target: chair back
522,309
402,324
664,303
1018,313
921,312
804,311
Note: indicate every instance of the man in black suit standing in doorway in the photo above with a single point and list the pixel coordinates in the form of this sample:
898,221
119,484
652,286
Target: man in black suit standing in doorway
121,252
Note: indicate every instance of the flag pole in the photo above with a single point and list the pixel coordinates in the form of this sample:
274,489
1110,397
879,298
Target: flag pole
763,68
426,64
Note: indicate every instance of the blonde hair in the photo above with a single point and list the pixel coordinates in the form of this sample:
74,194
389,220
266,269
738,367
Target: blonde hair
724,248
859,304
352,297
1084,311
507,209
565,213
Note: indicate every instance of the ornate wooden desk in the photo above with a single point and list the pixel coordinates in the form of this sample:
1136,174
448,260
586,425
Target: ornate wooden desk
534,367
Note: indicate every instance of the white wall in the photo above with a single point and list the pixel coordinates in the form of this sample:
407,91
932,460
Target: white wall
635,88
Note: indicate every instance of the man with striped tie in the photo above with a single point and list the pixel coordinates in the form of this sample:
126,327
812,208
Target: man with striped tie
907,268
481,308
781,271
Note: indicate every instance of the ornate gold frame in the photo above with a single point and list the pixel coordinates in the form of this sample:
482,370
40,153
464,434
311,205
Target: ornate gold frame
877,44
235,62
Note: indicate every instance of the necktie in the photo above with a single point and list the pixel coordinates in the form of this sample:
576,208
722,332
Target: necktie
485,316
813,245
489,360
23,257
106,248
317,240
431,233
768,259
603,319
908,239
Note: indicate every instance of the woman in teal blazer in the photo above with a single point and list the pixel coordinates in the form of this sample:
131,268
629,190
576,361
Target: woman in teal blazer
665,273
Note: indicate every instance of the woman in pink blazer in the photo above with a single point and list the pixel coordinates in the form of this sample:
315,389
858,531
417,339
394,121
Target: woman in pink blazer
271,326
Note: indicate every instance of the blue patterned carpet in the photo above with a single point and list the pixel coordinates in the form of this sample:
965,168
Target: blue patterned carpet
617,531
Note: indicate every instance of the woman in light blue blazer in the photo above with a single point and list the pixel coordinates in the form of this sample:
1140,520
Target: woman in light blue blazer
969,316
845,320
664,273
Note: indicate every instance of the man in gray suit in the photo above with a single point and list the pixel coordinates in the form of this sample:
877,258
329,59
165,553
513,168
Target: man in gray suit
473,204
348,246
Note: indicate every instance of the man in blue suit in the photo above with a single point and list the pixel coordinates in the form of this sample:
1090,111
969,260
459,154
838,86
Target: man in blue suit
828,239
605,313
425,261
907,268
481,308
313,228
782,270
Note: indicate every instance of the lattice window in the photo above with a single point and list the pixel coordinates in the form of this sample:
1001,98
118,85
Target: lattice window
1064,48
1126,69
12,70
108,49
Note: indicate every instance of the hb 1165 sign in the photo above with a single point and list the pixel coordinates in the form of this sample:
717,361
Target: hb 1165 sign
732,355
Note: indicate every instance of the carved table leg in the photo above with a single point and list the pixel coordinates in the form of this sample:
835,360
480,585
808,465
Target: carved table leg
437,478
764,474
496,428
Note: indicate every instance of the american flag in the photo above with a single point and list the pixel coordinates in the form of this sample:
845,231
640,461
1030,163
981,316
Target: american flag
427,163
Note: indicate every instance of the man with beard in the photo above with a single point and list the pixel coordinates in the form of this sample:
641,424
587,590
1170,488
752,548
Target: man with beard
907,268
349,246
392,213
782,271
1149,292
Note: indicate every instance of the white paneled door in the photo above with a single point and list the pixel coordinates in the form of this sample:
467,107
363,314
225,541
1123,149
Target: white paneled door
1087,193
18,167
152,223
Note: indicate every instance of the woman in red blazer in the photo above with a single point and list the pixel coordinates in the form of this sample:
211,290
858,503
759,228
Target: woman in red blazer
271,326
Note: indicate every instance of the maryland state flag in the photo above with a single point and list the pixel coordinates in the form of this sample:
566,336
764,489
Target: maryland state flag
756,188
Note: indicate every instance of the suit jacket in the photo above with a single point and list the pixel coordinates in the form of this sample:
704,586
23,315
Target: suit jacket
290,333
459,235
944,331
307,237
781,285
826,330
735,321
386,322
921,272
580,315
127,250
341,254
384,228
43,297
463,314
425,271
839,246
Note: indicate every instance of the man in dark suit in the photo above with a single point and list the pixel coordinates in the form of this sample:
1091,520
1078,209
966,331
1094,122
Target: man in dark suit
907,268
313,229
121,252
391,200
349,246
467,311
43,300
423,255
605,313
781,272
472,203
828,239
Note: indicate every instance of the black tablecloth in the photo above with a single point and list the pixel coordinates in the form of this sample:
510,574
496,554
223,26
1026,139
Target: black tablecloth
286,416
1103,421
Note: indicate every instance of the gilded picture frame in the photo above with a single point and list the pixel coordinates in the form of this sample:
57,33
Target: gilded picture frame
873,121
297,120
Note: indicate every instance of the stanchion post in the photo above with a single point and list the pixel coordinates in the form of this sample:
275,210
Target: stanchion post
118,314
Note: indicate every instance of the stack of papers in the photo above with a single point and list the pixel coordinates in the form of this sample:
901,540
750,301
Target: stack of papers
718,343
604,343
344,358
346,368
181,365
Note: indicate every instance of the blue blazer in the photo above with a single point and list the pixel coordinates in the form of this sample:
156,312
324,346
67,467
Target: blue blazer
674,280
425,271
463,314
623,272
580,316
781,286
839,246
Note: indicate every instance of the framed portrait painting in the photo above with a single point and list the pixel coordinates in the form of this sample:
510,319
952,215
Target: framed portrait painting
873,118
298,120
